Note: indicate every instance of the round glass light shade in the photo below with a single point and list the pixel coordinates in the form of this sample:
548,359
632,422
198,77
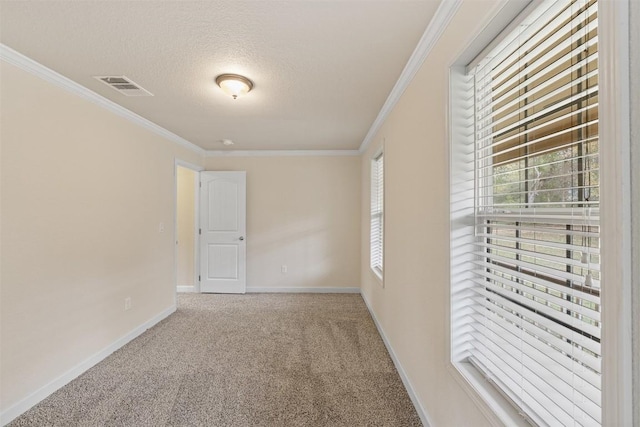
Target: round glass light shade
234,84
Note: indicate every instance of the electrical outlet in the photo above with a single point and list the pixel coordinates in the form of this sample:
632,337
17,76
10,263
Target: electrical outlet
283,269
127,303
161,227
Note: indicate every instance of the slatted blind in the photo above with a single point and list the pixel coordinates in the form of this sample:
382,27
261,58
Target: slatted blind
377,213
533,321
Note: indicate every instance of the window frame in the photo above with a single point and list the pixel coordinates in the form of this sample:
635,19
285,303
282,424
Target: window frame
616,212
377,187
617,392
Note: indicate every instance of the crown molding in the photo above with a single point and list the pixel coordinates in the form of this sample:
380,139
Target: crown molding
29,65
281,153
434,30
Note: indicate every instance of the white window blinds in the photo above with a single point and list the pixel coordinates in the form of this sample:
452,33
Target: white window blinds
531,319
377,213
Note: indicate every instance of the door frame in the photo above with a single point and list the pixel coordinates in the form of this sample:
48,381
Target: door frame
196,254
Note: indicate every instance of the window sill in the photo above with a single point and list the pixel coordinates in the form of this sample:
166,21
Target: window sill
378,274
498,410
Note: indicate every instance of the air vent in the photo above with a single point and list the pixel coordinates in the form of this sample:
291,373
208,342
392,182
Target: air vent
124,85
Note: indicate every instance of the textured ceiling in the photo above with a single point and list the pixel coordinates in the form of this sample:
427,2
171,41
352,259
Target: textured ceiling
322,69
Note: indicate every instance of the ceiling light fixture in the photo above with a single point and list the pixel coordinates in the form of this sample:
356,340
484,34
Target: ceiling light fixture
227,142
234,84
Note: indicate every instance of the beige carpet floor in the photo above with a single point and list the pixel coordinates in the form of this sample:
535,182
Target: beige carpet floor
242,360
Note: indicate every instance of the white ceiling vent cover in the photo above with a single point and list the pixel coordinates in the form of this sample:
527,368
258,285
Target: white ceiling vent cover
124,85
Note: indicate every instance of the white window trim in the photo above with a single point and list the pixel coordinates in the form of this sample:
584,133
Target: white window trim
379,274
634,40
617,391
615,160
494,405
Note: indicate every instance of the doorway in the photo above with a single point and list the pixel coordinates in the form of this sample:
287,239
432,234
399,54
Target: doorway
186,227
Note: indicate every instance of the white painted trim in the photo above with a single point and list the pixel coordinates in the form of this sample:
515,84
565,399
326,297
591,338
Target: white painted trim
422,413
29,65
196,253
45,391
196,223
490,402
192,166
436,27
291,290
374,272
615,213
634,70
498,411
509,17
196,234
186,289
281,153
379,275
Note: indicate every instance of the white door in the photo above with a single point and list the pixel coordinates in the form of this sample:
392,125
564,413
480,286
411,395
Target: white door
223,244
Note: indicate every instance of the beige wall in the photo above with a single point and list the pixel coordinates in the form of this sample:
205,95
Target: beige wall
83,194
412,307
186,218
302,212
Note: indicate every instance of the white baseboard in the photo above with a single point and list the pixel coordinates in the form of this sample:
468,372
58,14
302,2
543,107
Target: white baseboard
305,290
187,289
45,391
403,376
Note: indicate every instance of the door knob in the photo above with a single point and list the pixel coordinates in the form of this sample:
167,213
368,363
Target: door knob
241,237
